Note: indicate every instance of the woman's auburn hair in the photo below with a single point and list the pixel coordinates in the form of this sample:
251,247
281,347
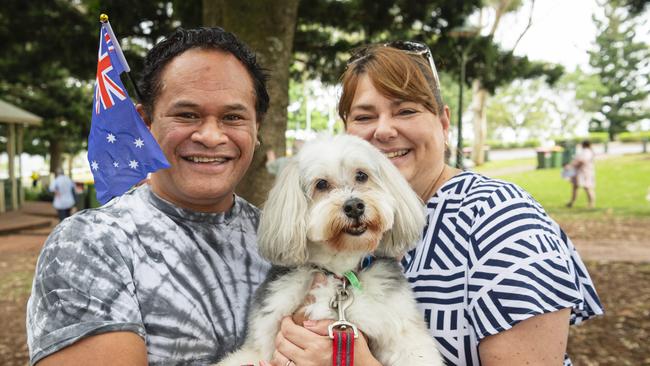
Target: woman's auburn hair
395,73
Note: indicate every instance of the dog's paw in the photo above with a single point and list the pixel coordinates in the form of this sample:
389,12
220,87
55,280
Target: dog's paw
318,311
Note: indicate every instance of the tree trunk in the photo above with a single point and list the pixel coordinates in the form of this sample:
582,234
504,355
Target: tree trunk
479,99
55,155
268,28
480,96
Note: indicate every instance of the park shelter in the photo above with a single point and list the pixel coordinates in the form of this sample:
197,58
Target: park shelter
16,120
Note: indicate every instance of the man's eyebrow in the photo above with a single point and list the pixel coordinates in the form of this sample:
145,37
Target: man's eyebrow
190,104
236,107
184,104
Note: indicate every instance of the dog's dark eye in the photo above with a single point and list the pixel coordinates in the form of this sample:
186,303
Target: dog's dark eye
322,185
361,177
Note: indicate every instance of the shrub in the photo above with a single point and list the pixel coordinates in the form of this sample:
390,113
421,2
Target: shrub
634,136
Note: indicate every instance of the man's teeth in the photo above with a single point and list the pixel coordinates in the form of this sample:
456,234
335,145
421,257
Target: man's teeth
200,159
393,154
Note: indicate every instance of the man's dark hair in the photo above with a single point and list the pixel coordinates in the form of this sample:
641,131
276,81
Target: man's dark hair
204,38
586,144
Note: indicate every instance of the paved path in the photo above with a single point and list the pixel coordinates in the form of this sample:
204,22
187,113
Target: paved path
33,215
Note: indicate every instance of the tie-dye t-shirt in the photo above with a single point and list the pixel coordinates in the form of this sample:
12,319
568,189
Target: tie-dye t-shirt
180,279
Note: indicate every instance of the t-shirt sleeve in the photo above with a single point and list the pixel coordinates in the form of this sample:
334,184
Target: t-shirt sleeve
519,266
82,286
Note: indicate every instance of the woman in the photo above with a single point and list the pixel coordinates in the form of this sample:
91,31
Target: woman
497,281
585,175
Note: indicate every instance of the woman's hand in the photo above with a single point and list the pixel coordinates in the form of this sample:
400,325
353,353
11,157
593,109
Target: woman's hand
311,346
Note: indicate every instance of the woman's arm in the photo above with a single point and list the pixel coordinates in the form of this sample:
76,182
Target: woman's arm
540,340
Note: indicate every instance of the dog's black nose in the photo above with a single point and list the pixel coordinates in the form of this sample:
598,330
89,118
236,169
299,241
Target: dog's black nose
353,208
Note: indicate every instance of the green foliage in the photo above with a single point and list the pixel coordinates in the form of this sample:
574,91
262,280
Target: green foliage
303,93
49,65
637,6
587,87
449,90
597,137
634,136
63,103
529,107
58,32
622,65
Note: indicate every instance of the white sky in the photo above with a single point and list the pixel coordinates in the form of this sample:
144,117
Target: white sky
562,31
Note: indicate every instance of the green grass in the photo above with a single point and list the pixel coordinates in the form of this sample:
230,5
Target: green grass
622,184
505,164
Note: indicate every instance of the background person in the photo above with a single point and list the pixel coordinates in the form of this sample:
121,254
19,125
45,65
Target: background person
585,174
35,177
164,273
497,281
64,194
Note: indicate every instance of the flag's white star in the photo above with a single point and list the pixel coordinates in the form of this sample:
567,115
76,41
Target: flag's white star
133,164
116,164
110,138
94,165
138,142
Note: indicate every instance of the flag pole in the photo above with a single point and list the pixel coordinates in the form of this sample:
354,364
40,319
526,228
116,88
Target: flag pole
103,18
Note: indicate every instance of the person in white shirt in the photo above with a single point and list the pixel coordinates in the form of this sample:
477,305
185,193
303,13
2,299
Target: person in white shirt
63,188
585,174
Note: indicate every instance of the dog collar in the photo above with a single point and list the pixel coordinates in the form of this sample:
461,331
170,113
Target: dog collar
351,276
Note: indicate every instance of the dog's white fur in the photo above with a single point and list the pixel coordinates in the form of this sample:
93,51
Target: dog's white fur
303,226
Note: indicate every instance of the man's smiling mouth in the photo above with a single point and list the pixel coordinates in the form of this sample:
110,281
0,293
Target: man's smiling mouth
203,159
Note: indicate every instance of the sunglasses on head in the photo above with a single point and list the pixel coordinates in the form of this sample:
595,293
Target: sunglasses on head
410,47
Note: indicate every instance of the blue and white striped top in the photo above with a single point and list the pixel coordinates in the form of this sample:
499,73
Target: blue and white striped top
489,258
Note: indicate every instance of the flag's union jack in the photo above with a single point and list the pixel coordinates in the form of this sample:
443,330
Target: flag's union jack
105,87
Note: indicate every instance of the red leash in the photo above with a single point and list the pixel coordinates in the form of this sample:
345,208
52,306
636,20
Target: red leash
342,332
343,348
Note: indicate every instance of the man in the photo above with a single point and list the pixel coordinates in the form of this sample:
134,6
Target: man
164,273
64,194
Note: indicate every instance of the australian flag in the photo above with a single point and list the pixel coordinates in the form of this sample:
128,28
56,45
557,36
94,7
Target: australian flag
121,150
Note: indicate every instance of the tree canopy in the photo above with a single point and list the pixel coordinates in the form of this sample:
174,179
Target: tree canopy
621,63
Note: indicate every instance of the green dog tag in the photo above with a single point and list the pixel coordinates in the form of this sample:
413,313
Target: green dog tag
352,278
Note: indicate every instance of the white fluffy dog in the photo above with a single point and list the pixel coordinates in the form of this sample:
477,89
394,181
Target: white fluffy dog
337,201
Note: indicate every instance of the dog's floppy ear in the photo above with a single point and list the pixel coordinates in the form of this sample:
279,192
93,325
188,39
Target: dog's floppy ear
283,227
409,212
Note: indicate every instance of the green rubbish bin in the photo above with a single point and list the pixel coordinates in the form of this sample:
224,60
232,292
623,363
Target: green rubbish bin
543,158
556,158
569,151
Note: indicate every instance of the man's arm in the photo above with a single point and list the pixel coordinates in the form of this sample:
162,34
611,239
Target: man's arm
114,348
540,340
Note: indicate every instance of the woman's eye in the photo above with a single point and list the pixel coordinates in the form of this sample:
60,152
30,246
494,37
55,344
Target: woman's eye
406,111
361,177
322,185
362,118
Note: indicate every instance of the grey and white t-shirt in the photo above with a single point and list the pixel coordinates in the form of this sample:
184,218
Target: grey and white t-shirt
180,279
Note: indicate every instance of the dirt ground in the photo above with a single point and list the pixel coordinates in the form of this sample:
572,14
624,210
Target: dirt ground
617,253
